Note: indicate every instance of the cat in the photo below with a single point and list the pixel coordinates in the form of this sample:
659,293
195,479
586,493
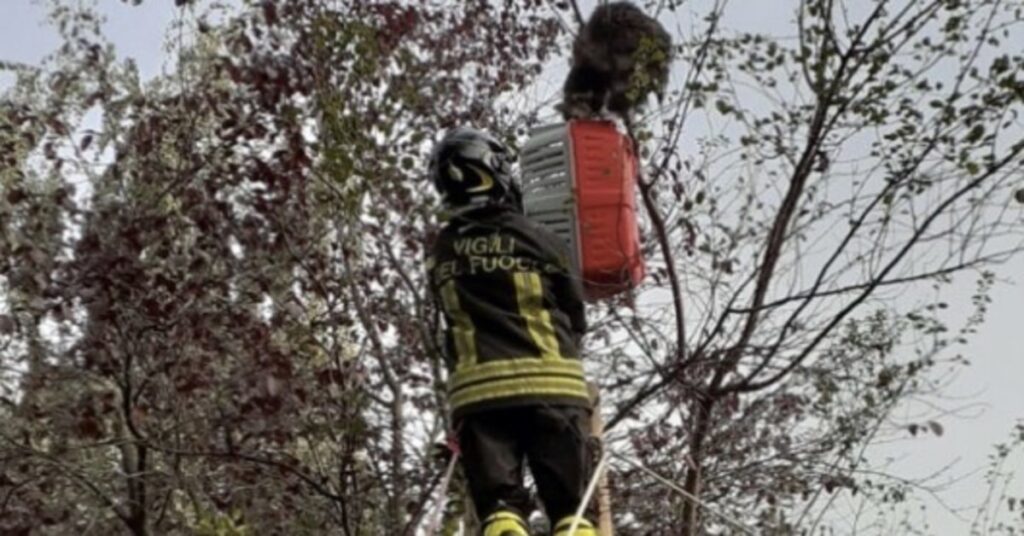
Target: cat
620,56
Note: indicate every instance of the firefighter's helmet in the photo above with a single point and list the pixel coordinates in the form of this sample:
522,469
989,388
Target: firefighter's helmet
470,167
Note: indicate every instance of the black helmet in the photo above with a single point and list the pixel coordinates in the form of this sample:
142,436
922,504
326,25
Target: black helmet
470,167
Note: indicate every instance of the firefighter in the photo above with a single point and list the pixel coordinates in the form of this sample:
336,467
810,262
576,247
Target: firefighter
512,304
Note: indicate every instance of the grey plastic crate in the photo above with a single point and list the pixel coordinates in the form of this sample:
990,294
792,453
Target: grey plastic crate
546,168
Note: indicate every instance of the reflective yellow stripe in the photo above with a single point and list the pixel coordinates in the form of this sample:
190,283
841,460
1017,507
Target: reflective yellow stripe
566,522
506,388
462,331
516,367
530,295
486,181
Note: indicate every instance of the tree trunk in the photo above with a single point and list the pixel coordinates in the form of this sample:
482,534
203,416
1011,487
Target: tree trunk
693,483
604,498
133,463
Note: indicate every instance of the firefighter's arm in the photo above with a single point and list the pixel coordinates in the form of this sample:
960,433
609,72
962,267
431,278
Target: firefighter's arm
569,293
566,283
438,342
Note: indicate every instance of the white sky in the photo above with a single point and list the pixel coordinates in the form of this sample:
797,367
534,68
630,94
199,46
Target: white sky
992,384
989,391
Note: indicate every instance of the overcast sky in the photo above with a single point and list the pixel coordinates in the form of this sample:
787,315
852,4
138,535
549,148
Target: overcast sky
992,384
988,396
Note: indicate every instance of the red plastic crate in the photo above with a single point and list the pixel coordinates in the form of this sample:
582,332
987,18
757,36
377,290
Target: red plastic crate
604,173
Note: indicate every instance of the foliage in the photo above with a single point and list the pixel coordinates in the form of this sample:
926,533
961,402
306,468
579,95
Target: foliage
212,315
202,312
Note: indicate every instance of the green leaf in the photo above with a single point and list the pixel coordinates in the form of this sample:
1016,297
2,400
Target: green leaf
975,134
6,325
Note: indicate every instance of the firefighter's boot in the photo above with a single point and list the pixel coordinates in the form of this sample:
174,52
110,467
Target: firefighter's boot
505,523
583,528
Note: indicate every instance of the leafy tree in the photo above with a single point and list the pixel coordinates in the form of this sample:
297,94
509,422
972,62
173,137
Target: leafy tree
210,300
879,150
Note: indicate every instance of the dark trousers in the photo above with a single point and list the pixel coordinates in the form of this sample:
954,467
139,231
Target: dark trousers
552,439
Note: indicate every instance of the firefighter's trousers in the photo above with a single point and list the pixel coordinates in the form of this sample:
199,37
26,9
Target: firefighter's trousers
552,439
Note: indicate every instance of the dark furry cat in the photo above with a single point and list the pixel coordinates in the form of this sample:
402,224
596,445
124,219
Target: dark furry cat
619,57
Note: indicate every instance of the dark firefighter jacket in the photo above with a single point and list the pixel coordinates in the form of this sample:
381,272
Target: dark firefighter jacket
513,307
